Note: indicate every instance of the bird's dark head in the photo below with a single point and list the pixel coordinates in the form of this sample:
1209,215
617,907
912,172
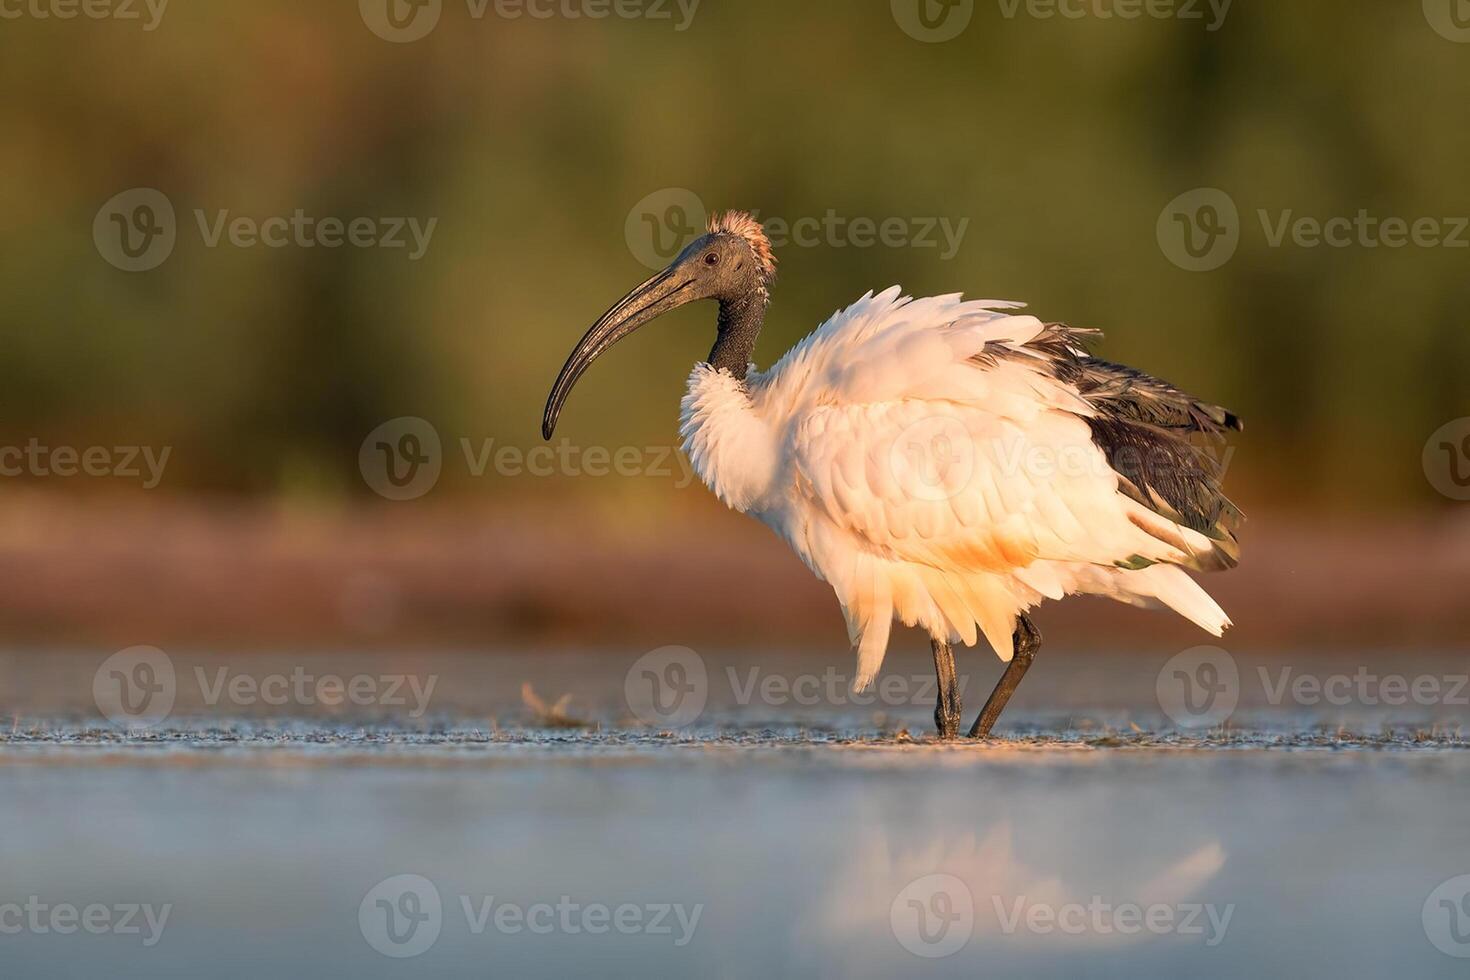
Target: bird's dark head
732,264
734,258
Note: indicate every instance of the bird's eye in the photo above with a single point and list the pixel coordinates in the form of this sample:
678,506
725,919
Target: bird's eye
712,258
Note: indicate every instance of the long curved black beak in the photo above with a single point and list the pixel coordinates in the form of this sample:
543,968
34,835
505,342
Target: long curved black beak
664,292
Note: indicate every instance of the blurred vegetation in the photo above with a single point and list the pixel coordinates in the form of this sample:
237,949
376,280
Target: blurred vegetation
530,140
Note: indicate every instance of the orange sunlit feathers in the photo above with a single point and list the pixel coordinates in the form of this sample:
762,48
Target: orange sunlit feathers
743,224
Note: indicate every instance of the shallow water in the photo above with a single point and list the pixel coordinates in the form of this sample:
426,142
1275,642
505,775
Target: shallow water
769,839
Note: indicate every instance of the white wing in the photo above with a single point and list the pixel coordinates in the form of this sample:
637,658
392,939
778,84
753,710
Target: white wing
932,435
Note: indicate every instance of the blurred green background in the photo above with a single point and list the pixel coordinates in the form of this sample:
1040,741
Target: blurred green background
1059,140
548,150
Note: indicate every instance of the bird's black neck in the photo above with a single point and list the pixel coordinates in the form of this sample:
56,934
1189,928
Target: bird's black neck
740,326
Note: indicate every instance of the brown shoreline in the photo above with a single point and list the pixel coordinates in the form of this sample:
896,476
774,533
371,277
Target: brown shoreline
247,576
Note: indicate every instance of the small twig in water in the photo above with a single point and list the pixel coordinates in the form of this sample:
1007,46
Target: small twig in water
551,716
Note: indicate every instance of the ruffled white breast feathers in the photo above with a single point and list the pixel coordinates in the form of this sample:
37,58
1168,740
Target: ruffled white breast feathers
732,449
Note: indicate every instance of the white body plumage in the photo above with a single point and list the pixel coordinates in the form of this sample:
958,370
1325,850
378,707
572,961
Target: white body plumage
922,458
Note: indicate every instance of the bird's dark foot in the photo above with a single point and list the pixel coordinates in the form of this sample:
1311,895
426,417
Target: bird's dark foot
980,734
947,721
1027,640
947,706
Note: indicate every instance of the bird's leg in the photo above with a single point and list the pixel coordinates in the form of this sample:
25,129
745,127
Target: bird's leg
947,704
1027,640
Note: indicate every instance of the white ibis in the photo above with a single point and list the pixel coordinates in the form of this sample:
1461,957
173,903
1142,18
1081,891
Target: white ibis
945,463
